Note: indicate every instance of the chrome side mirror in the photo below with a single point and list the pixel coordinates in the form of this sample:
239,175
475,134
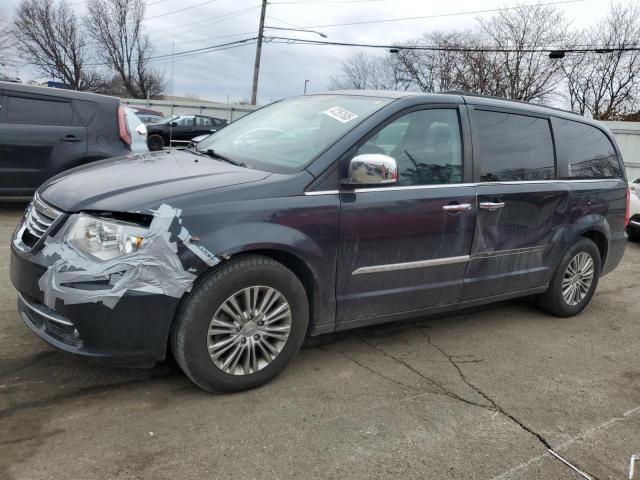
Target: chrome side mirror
372,169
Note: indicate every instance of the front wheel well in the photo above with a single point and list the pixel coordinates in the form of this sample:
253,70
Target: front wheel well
600,240
299,268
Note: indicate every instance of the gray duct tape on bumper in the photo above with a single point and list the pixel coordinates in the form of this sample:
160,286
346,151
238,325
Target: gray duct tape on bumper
155,268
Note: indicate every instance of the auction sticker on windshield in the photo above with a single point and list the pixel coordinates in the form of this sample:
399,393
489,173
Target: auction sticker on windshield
340,114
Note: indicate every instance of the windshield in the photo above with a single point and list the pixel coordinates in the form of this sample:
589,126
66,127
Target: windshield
287,135
168,118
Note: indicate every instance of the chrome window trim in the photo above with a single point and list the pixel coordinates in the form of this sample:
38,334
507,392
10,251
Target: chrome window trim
392,267
445,185
410,187
322,192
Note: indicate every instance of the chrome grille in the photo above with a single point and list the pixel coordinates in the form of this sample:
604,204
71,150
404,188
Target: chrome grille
40,217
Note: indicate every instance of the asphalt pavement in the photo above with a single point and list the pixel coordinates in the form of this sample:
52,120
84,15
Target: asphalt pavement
482,394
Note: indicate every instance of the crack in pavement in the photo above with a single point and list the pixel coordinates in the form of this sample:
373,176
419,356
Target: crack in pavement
511,417
369,369
433,382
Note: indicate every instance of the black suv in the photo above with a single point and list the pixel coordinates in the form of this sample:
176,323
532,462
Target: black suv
317,214
44,131
181,129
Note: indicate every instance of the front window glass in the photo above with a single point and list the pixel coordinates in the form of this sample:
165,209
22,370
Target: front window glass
287,135
185,121
426,146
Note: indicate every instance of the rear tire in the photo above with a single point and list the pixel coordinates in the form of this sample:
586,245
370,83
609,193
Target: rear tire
241,326
155,143
633,233
574,282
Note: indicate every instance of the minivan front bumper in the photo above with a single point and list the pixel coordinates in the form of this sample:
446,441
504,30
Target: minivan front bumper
134,332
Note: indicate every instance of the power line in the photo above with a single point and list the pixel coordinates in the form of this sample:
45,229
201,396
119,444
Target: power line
208,39
182,9
182,53
208,21
435,48
307,2
422,17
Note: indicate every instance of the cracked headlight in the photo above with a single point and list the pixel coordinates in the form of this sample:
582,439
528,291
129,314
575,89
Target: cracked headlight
105,239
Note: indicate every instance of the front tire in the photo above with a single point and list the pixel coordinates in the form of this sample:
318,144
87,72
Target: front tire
575,280
241,325
155,143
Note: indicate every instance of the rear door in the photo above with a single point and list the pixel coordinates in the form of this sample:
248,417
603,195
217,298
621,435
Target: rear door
521,205
37,132
405,247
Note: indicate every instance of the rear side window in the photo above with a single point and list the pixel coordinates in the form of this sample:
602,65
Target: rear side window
38,111
590,154
513,147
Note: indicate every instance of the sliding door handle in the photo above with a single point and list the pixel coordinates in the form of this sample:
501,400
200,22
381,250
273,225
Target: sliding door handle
491,206
457,207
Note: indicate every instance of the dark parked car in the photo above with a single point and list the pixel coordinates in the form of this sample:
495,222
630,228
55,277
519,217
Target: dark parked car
44,131
181,128
148,115
355,209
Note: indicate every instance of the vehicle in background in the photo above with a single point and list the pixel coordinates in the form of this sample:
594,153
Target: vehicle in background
147,118
147,115
180,129
633,229
45,131
137,131
390,205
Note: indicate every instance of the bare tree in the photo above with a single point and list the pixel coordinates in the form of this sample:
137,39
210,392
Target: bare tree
7,42
605,84
362,71
116,29
528,75
451,61
49,37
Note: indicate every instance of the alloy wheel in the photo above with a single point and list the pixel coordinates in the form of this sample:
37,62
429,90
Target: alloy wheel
577,278
249,330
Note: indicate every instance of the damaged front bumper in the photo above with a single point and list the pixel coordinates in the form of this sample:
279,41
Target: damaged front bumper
125,320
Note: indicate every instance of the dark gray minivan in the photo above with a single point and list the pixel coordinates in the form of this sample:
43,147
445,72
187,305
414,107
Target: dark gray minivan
45,131
316,214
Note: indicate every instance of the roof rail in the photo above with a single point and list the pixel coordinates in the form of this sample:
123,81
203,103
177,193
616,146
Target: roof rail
495,97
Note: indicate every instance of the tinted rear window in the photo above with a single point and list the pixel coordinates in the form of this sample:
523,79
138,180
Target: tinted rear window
513,147
590,154
36,111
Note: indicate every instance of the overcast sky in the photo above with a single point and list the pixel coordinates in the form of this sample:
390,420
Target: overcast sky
216,75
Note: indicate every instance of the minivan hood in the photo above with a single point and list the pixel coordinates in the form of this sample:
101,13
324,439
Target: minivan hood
127,183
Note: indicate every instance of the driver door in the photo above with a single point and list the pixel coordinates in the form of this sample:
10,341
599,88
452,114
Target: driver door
405,247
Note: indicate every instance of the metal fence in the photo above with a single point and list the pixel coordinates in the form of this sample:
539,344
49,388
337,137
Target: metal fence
628,137
219,110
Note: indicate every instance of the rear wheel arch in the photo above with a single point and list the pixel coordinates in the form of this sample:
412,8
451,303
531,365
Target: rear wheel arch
601,241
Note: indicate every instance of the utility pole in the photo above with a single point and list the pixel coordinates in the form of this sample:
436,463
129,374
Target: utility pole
256,67
305,86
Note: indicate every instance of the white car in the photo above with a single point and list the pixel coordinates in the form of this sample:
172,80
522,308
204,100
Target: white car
137,130
633,229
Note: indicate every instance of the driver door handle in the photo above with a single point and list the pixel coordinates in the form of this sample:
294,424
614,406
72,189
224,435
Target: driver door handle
457,207
491,206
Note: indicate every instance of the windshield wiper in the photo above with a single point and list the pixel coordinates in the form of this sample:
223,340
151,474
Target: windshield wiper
214,154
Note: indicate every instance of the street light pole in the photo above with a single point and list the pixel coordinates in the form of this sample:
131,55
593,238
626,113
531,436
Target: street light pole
256,66
305,86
